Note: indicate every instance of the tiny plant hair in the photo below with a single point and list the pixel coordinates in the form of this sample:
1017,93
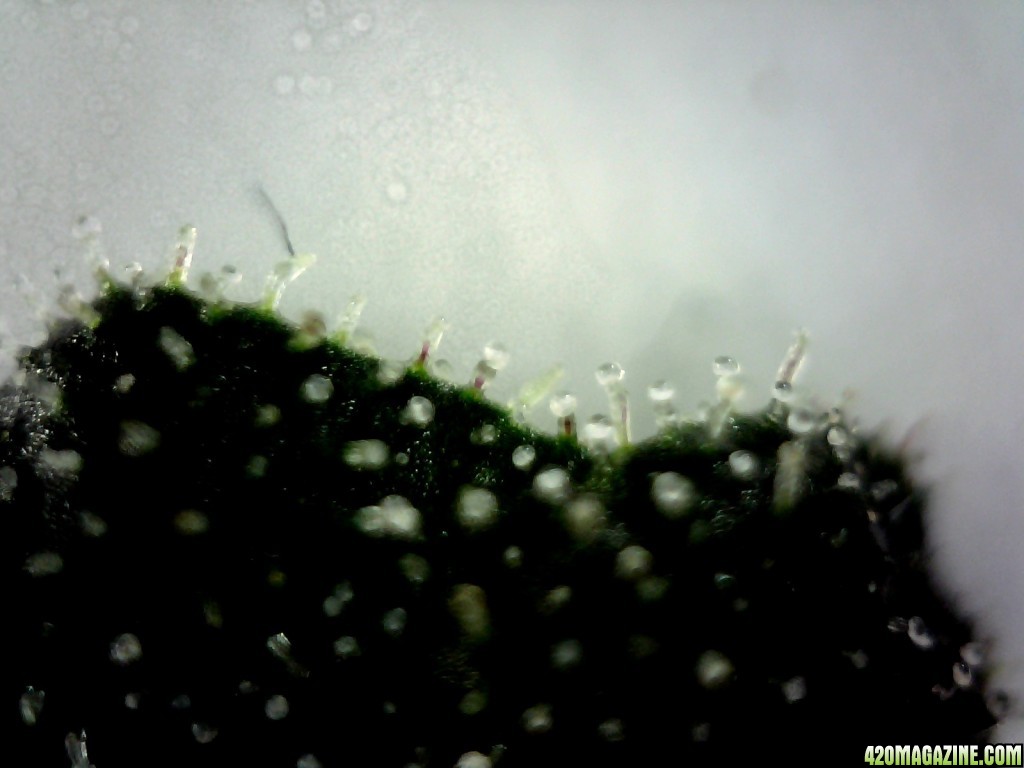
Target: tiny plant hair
234,540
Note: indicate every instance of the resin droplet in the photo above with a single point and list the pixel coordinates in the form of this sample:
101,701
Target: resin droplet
919,633
366,454
468,604
724,365
137,438
783,391
633,562
791,363
473,760
394,621
523,457
125,649
672,494
346,647
794,689
585,517
203,732
538,719
661,392
395,517
31,705
317,389
801,421
609,374
566,654
563,406
477,508
552,485
419,411
276,707
744,465
599,434
962,674
713,669
44,564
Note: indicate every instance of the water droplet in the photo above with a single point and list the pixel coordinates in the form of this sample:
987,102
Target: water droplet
496,355
563,404
124,383
801,421
317,389
919,633
137,438
486,435
633,562
397,192
302,40
724,365
672,493
794,689
473,760
203,732
468,604
552,485
523,457
477,508
661,392
585,517
566,654
859,659
276,707
962,674
308,761
713,669
401,459
744,465
132,700
609,374
191,522
86,227
394,621
538,719
31,705
419,411
346,647
125,649
44,564
366,454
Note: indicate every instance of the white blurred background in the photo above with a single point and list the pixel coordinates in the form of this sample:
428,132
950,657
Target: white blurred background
655,183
